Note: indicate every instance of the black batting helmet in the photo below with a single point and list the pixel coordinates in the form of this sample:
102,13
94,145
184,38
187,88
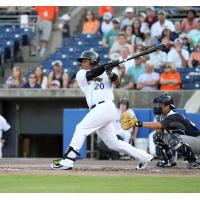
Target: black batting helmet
125,101
89,55
163,100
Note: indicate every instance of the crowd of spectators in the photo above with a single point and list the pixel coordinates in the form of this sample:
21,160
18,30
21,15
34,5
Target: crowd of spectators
125,36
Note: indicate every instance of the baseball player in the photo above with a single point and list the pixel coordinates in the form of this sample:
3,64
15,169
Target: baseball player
175,131
126,135
96,83
4,126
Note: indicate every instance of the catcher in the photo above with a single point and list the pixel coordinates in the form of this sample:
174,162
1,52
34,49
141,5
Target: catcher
174,131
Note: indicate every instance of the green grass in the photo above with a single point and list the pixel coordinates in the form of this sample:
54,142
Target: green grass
92,184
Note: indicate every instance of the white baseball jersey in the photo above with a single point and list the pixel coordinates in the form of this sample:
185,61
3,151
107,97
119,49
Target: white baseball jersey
97,90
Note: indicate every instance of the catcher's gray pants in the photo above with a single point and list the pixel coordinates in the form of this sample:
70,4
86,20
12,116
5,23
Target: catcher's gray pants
193,142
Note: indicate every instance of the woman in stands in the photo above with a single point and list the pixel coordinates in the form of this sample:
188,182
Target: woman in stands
90,24
41,78
16,80
137,35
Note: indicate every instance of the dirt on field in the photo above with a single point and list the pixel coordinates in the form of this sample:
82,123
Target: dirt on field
41,166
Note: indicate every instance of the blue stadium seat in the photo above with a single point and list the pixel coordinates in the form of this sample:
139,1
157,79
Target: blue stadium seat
190,86
185,78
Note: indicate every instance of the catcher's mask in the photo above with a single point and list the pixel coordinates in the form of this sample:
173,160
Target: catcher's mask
125,101
92,56
161,101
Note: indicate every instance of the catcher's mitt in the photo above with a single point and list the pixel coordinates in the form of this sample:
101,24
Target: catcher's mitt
127,120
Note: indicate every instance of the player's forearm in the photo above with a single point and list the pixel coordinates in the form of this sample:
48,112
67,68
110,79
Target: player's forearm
153,125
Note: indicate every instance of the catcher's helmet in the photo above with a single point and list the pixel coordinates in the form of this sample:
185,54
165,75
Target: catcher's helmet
162,100
125,101
90,55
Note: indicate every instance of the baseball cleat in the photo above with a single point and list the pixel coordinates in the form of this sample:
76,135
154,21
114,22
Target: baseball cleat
143,164
193,165
62,164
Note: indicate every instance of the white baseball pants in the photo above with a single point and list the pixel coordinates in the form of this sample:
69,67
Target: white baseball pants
100,120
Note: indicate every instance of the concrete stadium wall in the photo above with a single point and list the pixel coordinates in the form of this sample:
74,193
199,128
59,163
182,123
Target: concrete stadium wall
40,112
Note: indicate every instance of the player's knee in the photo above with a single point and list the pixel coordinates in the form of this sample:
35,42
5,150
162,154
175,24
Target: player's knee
175,141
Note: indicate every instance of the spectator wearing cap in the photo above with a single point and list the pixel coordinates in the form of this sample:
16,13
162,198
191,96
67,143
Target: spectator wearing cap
149,80
186,43
170,79
65,28
190,22
161,24
129,17
137,68
55,84
142,16
106,24
177,55
150,18
194,34
91,24
58,74
111,36
119,44
41,78
126,80
194,60
32,81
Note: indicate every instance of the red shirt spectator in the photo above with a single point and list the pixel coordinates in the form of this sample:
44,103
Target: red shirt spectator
150,18
170,79
104,9
47,12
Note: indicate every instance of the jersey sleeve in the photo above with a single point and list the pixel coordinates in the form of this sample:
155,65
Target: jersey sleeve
172,123
81,78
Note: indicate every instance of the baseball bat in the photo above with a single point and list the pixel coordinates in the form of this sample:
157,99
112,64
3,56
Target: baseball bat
114,63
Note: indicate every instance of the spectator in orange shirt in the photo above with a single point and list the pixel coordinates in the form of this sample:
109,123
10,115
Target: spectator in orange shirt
90,24
190,22
47,17
170,79
194,60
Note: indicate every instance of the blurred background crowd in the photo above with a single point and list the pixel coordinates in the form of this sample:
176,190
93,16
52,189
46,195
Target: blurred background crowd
40,45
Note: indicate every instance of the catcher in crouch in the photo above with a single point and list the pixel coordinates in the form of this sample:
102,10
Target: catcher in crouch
174,131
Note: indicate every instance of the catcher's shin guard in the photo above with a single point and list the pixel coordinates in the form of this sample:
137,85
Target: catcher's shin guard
183,149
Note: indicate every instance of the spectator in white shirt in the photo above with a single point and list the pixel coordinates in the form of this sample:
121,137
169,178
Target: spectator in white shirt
106,24
149,80
177,55
158,58
161,24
